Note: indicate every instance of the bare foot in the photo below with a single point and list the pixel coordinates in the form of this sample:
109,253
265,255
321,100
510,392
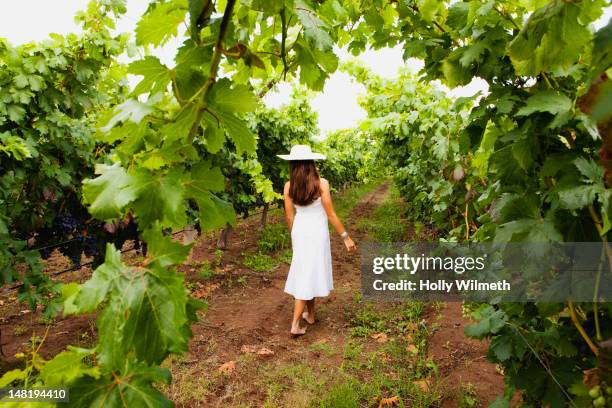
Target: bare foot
306,316
296,330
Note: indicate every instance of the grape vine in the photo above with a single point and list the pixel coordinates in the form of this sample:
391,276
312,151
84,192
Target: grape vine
49,95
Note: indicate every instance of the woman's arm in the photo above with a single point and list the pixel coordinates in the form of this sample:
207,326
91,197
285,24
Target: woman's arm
289,209
332,217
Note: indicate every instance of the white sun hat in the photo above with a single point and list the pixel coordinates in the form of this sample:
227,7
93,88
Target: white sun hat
302,152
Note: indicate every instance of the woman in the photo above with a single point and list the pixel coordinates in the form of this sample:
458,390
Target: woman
308,207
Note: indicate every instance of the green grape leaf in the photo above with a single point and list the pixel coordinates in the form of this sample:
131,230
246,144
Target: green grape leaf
214,212
129,387
163,249
490,322
523,152
552,40
441,147
546,101
161,198
315,29
458,15
206,178
156,75
66,367
154,161
311,74
16,112
129,133
181,126
213,134
132,110
501,347
236,128
327,60
472,53
86,297
580,389
592,171
14,146
21,81
528,230
486,148
578,197
192,68
191,56
160,24
429,8
11,376
153,303
544,230
506,102
236,99
109,193
454,73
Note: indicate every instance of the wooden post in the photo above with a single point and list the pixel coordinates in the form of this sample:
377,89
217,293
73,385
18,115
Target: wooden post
222,242
264,215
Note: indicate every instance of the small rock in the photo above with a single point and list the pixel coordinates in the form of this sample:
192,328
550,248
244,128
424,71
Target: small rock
380,337
265,352
248,349
227,368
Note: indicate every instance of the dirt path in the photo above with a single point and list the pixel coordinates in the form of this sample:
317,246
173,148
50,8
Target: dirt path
262,312
259,316
461,360
242,321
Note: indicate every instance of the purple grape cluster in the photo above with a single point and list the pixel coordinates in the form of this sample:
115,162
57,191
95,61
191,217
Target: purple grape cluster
65,224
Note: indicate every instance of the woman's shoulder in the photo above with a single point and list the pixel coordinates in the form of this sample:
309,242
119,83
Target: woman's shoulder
324,185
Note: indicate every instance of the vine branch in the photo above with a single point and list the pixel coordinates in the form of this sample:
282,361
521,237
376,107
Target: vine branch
214,65
580,329
283,41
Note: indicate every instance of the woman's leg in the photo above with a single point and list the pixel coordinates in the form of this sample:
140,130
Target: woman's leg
298,309
309,314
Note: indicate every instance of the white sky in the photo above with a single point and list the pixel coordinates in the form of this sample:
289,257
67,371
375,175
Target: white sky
32,20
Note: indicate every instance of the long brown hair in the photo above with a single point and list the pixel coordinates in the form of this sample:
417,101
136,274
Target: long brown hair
304,182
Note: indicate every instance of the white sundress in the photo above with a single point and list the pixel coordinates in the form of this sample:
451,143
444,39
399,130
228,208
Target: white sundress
310,274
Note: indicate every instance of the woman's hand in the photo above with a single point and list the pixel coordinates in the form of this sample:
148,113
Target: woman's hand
350,245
